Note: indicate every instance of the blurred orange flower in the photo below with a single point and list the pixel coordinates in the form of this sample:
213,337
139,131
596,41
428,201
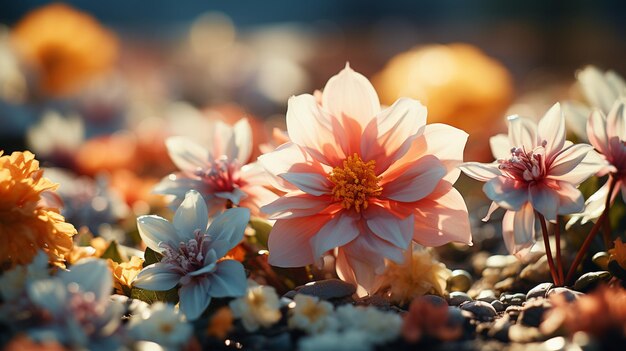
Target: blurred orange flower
107,154
124,273
618,252
459,85
221,323
66,46
26,223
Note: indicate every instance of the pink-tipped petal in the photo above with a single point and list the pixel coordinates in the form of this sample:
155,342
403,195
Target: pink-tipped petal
597,131
481,171
522,133
397,231
339,231
289,244
311,183
518,231
352,95
187,155
551,128
506,192
545,200
287,157
443,220
296,205
415,181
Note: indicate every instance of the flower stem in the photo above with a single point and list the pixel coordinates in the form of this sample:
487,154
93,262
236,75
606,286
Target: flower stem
594,231
559,258
546,241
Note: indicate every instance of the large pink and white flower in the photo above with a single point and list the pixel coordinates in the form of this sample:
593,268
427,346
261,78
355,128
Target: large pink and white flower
362,181
221,173
536,170
607,134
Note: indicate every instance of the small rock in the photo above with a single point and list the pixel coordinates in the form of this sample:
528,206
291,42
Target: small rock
569,294
589,281
539,291
434,300
460,280
601,259
513,311
455,317
498,306
500,261
513,299
537,272
456,298
532,312
482,311
523,334
486,296
616,270
326,289
505,284
500,329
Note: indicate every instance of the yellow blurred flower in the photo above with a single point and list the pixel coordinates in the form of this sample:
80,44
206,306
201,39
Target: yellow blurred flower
420,274
221,323
618,252
124,273
66,46
459,84
96,248
26,223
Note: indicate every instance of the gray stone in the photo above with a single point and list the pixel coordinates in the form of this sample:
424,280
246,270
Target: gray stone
537,272
498,306
513,299
326,289
513,311
500,261
532,313
601,259
460,280
486,296
589,281
456,298
482,311
500,329
569,294
455,317
539,291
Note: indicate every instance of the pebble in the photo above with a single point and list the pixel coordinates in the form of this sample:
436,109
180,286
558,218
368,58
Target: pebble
589,281
500,329
456,298
513,311
486,295
324,289
539,291
601,259
482,311
532,313
498,306
569,294
513,299
455,317
616,270
460,280
500,261
536,272
505,284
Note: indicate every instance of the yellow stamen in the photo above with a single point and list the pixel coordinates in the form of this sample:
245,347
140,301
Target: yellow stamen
355,183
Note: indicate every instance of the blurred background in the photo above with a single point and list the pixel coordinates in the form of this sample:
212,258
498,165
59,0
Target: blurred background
93,88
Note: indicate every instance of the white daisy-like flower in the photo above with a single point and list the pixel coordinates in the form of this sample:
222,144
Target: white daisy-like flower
161,324
260,307
312,315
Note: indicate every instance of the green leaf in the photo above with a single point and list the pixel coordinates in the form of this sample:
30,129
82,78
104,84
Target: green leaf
113,252
262,229
151,257
150,296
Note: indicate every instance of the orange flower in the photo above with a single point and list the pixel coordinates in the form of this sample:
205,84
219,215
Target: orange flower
124,273
221,323
66,46
618,252
26,225
96,248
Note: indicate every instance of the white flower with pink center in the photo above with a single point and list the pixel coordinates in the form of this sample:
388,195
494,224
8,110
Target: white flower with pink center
536,170
192,254
221,173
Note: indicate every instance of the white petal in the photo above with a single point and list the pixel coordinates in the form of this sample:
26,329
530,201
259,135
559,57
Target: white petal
552,129
228,280
387,226
157,277
352,95
616,120
576,115
335,233
187,155
568,159
91,275
311,183
230,225
194,298
545,200
518,230
154,229
597,131
191,215
500,146
243,139
481,171
596,88
522,133
49,294
417,181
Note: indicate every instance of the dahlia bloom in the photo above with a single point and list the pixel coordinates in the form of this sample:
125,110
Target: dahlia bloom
607,134
362,180
192,251
536,170
28,222
220,173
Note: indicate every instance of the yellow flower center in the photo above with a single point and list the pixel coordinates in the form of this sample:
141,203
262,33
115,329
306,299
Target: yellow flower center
355,183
